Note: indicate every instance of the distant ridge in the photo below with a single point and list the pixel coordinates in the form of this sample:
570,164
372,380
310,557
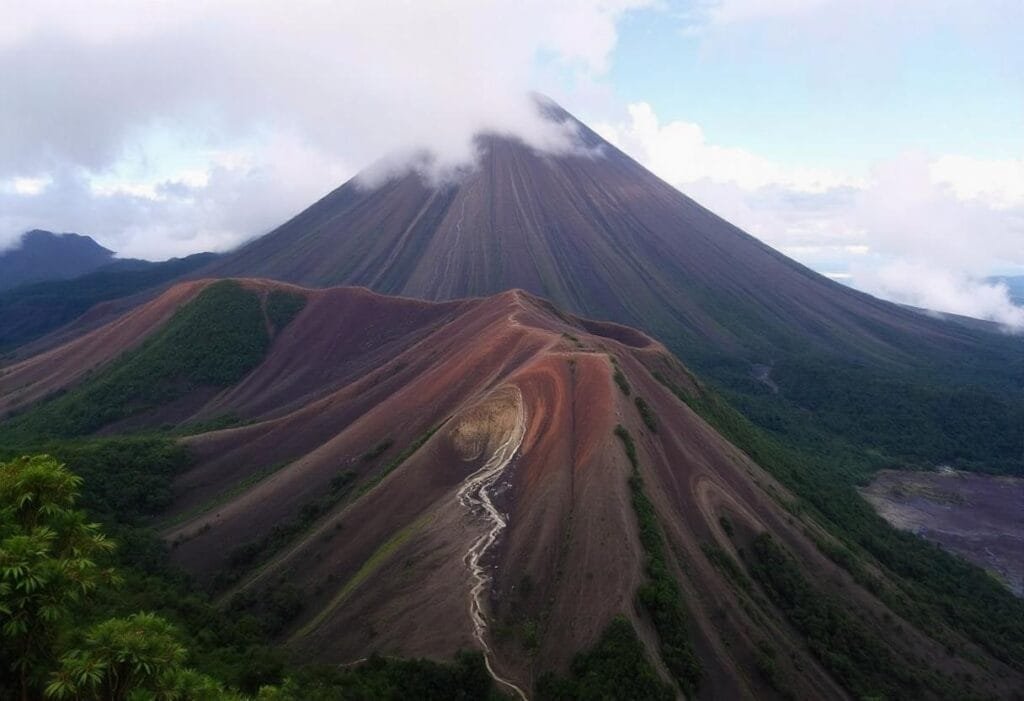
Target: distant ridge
43,255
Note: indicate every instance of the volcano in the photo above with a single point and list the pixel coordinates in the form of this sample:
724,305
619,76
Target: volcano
594,232
598,235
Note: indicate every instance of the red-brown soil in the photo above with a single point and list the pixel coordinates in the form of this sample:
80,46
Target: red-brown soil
382,568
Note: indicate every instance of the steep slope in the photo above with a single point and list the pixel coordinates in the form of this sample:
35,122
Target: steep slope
414,478
43,255
601,236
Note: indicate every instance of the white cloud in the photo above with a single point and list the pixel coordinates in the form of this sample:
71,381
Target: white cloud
25,186
91,84
998,183
240,195
726,12
919,230
679,153
926,286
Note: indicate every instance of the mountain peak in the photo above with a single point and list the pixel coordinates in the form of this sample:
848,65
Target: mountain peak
44,255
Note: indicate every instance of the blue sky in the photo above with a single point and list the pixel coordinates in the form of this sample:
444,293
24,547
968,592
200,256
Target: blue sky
879,142
842,105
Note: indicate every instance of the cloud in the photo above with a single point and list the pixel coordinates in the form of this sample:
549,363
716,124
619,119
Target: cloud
919,229
925,286
92,86
679,153
241,195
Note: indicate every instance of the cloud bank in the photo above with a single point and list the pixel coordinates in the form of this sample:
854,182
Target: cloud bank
919,229
106,90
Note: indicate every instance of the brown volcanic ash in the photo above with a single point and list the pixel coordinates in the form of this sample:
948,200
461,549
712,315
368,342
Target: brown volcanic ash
386,565
597,234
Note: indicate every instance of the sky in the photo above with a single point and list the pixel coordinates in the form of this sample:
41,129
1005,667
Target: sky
880,143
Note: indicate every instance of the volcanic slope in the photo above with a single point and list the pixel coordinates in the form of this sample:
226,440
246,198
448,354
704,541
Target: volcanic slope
599,235
416,478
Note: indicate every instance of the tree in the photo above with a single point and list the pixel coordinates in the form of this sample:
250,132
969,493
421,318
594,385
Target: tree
48,563
128,658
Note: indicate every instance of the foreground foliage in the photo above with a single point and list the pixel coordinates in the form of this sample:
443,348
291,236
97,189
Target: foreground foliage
73,627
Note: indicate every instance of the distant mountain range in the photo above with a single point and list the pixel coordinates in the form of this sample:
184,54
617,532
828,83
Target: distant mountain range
33,310
43,255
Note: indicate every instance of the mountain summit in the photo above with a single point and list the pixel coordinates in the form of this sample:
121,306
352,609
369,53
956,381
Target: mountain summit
44,255
599,235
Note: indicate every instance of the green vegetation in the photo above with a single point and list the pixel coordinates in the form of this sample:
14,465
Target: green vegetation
217,423
573,339
245,557
620,377
213,341
239,487
372,563
250,555
935,590
725,564
615,668
30,311
400,458
128,658
283,306
72,628
386,678
911,418
660,595
843,643
52,576
647,414
376,451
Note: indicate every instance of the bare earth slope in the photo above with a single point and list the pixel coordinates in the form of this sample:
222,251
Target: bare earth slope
414,478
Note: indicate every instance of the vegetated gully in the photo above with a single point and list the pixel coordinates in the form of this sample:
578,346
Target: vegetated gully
475,496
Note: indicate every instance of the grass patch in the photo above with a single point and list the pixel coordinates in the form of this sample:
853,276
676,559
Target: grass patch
725,564
252,554
647,414
283,306
223,497
620,377
376,451
464,679
378,558
616,667
399,459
